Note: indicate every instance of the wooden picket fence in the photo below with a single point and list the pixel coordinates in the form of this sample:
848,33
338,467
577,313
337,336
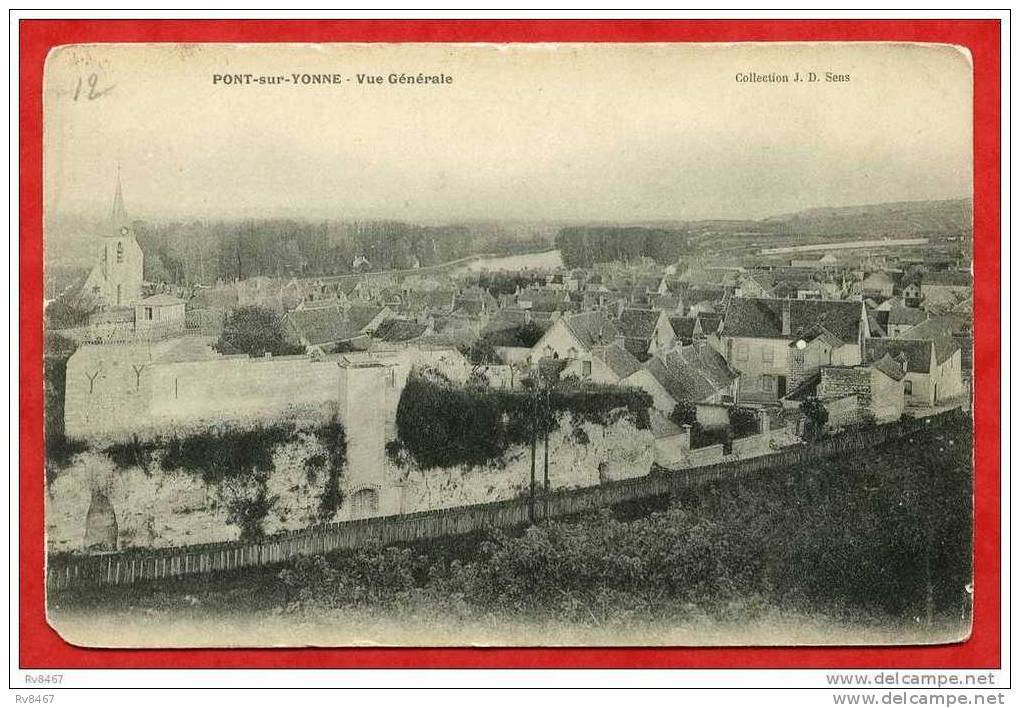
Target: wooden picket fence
145,564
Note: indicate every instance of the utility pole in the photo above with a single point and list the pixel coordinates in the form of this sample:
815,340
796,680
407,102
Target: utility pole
531,496
545,476
534,445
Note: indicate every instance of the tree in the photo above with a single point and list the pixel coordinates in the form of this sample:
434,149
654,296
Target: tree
480,352
69,311
744,421
816,417
684,413
255,331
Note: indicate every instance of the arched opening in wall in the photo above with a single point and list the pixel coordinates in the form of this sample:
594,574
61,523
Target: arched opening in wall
364,502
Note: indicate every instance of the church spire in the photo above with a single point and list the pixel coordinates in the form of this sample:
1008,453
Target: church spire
119,214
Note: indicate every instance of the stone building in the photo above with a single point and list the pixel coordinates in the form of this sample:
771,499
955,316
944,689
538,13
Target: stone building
933,370
116,278
776,345
877,387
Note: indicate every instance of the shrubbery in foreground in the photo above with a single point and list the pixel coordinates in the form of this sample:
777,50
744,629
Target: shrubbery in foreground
887,534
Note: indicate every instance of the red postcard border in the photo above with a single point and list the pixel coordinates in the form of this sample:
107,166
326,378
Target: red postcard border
42,647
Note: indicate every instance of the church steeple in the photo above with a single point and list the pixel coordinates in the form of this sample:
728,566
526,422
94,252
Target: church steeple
118,215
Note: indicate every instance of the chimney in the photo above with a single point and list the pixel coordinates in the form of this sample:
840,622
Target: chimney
786,316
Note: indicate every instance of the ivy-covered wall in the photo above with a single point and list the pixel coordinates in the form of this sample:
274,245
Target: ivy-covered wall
443,425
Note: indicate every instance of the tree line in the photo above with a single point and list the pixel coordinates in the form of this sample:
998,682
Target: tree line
207,252
582,246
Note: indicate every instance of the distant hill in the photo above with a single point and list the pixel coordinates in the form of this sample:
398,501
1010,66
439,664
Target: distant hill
890,219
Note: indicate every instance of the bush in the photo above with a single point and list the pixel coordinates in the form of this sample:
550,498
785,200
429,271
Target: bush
684,413
816,416
211,455
703,437
248,503
886,536
743,421
443,425
479,352
255,331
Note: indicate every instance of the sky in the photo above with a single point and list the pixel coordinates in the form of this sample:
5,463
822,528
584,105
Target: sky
578,132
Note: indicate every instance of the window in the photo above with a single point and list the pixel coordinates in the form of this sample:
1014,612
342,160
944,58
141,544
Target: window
741,354
120,252
586,368
798,357
768,383
148,313
767,354
908,387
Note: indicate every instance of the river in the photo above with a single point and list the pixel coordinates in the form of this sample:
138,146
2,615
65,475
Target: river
546,260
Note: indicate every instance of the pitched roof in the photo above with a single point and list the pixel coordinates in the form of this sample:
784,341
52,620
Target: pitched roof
639,324
818,333
692,373
915,353
669,301
763,318
320,325
710,322
695,295
547,300
937,330
400,330
890,367
683,327
591,328
929,329
361,316
875,320
808,388
507,318
620,361
906,315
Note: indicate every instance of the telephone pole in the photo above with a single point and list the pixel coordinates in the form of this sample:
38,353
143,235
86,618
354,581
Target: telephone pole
545,476
534,444
531,495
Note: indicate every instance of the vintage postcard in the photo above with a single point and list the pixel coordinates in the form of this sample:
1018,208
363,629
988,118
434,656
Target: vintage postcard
508,345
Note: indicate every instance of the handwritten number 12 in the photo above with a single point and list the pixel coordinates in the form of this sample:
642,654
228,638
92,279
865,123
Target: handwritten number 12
92,94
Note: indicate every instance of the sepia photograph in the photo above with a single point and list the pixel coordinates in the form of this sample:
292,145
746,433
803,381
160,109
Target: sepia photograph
508,345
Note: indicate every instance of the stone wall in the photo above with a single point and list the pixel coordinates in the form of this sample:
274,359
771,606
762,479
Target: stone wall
839,382
763,443
576,459
160,508
710,454
876,393
669,451
842,411
116,392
